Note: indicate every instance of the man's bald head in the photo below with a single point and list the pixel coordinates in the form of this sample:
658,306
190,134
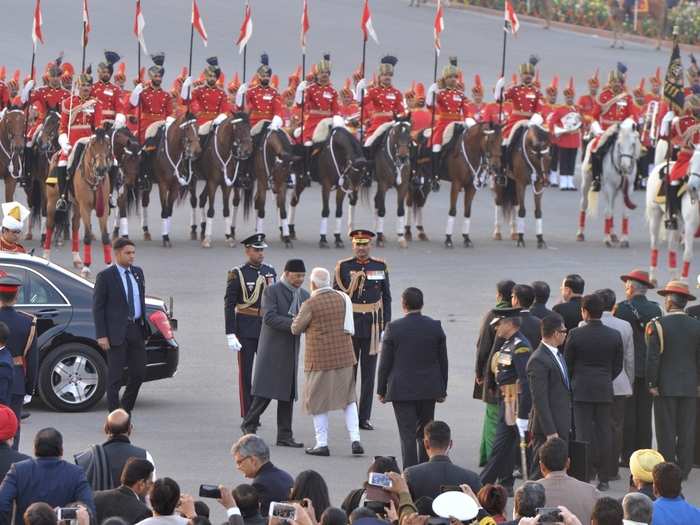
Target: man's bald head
118,423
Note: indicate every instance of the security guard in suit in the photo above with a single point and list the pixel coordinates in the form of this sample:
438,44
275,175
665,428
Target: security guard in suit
244,291
508,365
672,371
366,280
22,345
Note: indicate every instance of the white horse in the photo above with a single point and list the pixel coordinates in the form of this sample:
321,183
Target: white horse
687,223
619,165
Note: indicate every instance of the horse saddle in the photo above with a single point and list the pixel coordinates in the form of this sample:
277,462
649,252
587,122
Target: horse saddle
154,134
514,144
76,155
662,185
205,132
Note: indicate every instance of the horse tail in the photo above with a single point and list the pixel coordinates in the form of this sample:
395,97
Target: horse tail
510,198
132,195
592,210
247,201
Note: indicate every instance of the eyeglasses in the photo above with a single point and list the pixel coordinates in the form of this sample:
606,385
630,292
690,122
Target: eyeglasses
562,330
239,462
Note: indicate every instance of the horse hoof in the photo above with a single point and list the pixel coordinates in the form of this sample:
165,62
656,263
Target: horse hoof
147,236
625,244
206,243
292,233
497,236
29,236
448,243
541,244
167,243
339,244
403,243
85,272
287,242
580,237
521,241
614,239
608,243
408,235
78,264
202,236
193,234
230,241
422,236
323,243
467,242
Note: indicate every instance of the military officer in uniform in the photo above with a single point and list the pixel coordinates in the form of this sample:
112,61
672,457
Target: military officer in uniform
672,371
108,94
366,280
637,310
150,101
508,365
209,102
244,291
22,345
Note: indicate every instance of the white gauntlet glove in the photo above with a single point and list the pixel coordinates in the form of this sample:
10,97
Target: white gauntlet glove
135,95
359,90
185,90
430,98
300,92
233,342
63,142
522,426
498,91
239,94
24,95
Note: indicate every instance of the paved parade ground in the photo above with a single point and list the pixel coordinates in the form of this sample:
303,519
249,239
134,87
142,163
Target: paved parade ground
189,422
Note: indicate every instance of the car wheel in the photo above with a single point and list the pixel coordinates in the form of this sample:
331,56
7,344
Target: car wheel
72,378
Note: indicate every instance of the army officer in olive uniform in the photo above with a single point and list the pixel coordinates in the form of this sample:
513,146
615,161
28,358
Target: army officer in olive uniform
244,291
366,280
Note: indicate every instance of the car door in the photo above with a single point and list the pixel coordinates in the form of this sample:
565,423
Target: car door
40,297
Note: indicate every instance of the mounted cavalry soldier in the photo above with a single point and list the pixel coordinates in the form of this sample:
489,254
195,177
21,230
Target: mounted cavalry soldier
685,131
588,105
451,106
366,281
108,94
152,102
244,291
208,102
614,105
48,97
80,116
262,102
4,90
550,106
565,124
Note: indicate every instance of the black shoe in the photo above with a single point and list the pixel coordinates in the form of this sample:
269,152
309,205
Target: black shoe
248,430
366,425
357,448
603,486
289,443
318,451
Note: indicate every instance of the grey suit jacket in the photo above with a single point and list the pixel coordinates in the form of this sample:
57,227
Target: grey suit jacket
622,384
575,495
277,358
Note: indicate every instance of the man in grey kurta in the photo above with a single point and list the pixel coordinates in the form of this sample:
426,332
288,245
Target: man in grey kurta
276,364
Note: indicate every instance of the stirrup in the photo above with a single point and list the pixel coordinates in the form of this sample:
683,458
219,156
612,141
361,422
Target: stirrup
501,180
595,185
61,204
435,185
671,223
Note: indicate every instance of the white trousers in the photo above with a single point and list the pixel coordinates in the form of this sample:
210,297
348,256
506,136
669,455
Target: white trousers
352,423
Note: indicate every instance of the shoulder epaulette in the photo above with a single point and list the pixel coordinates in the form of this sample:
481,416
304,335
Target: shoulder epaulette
517,340
233,273
522,350
347,259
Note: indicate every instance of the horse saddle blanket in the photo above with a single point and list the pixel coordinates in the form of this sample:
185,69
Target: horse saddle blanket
72,160
205,128
152,130
322,130
514,130
260,125
378,133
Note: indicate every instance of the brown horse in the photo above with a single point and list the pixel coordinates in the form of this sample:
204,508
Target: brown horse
392,169
273,161
12,127
340,166
45,145
170,167
127,153
474,155
528,165
226,148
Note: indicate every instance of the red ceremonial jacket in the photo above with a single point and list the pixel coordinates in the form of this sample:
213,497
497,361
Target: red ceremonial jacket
685,132
588,106
110,97
612,108
4,95
451,105
319,102
155,104
420,119
80,117
209,102
526,99
263,103
382,104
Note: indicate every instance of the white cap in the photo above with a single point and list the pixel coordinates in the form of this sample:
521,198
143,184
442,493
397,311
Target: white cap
455,504
14,215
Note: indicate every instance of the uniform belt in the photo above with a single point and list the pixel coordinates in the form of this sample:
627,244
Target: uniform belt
81,126
364,308
607,122
158,115
19,360
261,113
249,310
108,112
320,112
449,116
520,113
383,114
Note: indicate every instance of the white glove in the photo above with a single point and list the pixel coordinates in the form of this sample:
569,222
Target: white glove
239,94
522,426
169,120
338,121
298,94
119,121
276,123
469,122
498,90
596,129
559,131
430,98
24,95
185,90
63,142
665,127
536,120
135,95
360,89
220,118
233,342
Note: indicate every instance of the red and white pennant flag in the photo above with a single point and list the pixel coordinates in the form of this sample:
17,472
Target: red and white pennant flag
367,27
246,29
197,22
139,24
86,23
304,25
439,26
512,23
36,25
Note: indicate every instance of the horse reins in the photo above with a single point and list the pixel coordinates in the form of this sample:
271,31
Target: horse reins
176,165
11,154
341,174
397,163
533,171
225,163
475,172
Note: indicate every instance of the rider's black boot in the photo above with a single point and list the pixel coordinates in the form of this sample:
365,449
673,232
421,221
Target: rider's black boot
672,207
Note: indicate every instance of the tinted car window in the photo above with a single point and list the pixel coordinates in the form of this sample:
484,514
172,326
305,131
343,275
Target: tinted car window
41,292
21,274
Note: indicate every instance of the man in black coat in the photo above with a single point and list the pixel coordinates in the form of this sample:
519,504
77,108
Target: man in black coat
425,479
522,297
126,501
8,429
570,307
119,309
542,291
413,373
550,389
594,357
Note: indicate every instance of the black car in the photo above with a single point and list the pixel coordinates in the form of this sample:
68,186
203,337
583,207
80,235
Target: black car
72,367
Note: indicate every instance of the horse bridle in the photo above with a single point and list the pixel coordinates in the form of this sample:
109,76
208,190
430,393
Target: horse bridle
93,181
620,156
13,153
176,165
392,151
278,158
539,153
235,145
346,169
48,149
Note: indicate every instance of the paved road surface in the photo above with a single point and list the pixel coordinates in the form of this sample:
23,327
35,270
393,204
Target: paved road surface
189,422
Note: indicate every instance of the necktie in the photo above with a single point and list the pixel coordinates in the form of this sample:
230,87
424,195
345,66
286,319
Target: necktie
564,369
130,295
